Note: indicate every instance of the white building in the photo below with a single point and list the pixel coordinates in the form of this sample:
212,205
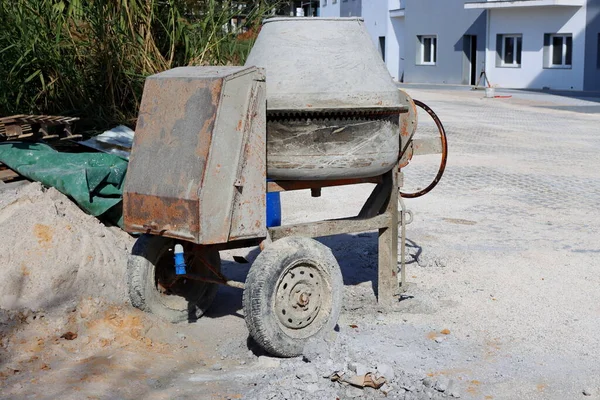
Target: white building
518,43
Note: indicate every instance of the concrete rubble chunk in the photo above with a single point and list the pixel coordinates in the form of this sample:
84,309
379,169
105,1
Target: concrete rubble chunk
441,385
428,382
268,362
358,368
352,392
307,374
386,370
316,349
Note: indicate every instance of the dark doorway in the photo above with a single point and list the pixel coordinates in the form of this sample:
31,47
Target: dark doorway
470,60
473,60
382,46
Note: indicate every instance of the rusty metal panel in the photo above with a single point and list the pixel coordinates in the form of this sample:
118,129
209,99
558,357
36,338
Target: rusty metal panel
187,153
249,212
236,174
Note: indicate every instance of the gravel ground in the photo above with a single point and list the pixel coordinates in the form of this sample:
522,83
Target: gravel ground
502,302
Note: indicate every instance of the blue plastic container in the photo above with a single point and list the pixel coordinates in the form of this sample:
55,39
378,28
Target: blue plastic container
273,209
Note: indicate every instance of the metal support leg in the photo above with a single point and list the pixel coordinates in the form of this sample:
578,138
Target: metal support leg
388,247
403,214
406,218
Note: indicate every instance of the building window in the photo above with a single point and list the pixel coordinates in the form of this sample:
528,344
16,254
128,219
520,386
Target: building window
510,51
558,50
427,54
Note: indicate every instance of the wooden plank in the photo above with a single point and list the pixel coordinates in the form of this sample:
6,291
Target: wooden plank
8,174
282,186
376,202
387,271
329,228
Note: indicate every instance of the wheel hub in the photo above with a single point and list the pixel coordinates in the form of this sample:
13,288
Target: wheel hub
298,297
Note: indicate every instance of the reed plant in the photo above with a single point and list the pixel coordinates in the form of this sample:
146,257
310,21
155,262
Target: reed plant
89,58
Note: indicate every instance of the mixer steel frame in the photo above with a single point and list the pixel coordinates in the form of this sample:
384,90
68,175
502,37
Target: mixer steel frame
380,212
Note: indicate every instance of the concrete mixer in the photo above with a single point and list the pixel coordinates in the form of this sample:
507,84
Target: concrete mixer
313,107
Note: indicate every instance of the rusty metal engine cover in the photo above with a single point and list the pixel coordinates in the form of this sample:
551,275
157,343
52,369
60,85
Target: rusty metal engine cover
197,169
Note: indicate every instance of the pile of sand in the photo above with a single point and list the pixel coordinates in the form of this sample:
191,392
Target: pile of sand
52,254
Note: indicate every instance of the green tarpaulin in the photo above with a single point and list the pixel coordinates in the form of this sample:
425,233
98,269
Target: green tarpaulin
93,180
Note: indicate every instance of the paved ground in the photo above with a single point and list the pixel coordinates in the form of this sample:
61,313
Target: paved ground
516,219
508,249
504,258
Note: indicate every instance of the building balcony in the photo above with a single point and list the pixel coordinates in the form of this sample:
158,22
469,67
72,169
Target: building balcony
492,4
397,8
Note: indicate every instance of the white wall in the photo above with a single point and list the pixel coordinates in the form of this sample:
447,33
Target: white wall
533,23
331,9
375,14
378,23
394,53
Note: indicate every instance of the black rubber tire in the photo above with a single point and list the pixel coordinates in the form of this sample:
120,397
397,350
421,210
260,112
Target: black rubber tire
189,299
260,294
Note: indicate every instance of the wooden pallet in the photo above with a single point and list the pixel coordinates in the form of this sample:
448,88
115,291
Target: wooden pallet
36,127
7,175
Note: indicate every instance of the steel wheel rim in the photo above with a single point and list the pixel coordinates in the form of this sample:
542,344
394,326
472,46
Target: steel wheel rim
299,298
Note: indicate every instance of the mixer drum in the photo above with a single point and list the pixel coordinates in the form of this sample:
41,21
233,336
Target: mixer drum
333,111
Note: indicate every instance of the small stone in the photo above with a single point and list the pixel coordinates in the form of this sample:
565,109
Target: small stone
358,368
455,394
408,388
307,375
380,318
442,384
352,392
268,362
439,339
312,388
386,370
180,335
385,389
587,392
216,367
315,349
428,382
242,362
191,371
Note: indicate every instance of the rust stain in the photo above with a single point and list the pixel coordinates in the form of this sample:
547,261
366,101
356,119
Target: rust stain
44,235
541,387
445,331
432,335
171,217
239,126
473,387
449,372
24,270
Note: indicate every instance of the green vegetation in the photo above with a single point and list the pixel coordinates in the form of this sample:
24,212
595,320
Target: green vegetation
89,58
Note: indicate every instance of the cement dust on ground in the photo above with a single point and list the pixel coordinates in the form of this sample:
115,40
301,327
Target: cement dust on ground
502,301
